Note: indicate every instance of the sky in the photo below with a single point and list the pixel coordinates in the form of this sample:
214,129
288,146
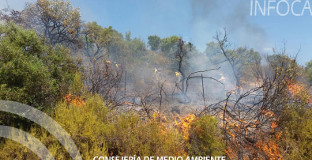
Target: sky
198,21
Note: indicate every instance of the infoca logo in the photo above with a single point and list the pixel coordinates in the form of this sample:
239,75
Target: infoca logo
280,7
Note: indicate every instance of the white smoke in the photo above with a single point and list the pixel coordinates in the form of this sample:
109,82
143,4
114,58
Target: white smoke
209,16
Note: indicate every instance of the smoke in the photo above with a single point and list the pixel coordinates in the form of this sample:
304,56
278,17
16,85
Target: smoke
210,16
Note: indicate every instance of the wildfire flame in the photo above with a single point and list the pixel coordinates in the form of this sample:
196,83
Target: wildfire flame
128,103
185,124
273,126
178,74
267,113
222,78
270,148
297,90
74,100
155,70
230,133
267,144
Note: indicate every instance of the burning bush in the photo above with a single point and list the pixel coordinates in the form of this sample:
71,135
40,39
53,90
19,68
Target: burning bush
132,136
98,130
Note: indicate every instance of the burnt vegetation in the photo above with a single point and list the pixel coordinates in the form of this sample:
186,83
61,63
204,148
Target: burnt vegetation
164,98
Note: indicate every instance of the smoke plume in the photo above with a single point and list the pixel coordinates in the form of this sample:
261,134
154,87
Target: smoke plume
209,16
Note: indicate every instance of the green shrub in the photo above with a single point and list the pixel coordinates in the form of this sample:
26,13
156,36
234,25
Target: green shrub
30,71
98,131
296,127
132,136
205,138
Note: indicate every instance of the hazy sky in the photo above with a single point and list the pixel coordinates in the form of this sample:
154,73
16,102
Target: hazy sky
199,20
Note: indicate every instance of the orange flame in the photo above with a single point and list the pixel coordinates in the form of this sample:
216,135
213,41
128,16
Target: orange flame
269,145
270,148
233,136
297,90
267,113
273,126
74,100
185,124
128,103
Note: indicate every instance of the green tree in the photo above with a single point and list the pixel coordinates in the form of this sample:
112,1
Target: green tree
283,65
238,59
30,71
117,47
96,40
55,19
154,42
137,47
169,44
278,60
128,36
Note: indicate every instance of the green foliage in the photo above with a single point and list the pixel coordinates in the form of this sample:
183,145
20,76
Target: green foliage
62,68
308,72
205,138
96,34
98,130
242,60
169,44
296,127
132,136
94,126
37,74
96,39
128,36
284,67
137,47
56,19
88,125
281,60
154,42
21,66
31,72
13,150
77,87
117,48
